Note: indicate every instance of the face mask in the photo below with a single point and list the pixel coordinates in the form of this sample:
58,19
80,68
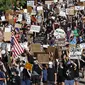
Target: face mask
50,65
22,68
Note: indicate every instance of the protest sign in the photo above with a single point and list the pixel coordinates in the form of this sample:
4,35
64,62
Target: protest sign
82,0
79,7
19,17
28,66
3,18
70,11
39,8
25,10
40,37
55,0
59,33
7,29
75,52
35,28
11,21
51,49
29,9
82,45
7,36
8,47
62,14
30,3
35,47
18,25
43,58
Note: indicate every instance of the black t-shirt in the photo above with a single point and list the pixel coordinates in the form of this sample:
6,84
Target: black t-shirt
16,80
51,74
69,71
37,69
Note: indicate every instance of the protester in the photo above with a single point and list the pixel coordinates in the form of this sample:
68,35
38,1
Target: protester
28,33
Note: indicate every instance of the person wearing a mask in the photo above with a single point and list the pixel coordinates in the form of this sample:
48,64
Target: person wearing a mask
51,77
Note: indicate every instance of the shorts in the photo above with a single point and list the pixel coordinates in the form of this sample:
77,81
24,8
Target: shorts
76,79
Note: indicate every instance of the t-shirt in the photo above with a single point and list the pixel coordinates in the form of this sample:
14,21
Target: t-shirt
76,32
51,74
69,71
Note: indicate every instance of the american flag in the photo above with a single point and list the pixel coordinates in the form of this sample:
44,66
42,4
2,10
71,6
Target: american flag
16,47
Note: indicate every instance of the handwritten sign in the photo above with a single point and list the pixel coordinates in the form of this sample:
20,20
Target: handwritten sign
75,52
35,28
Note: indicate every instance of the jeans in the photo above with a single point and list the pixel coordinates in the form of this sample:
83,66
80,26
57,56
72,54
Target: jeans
69,82
25,82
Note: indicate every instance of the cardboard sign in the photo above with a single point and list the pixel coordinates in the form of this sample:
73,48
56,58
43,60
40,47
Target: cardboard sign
75,52
11,21
29,9
28,66
43,58
36,47
18,25
70,11
35,28
51,49
7,36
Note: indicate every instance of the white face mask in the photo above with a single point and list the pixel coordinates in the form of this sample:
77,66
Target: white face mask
21,68
50,65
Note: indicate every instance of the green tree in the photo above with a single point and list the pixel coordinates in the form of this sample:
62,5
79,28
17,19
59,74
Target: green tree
8,4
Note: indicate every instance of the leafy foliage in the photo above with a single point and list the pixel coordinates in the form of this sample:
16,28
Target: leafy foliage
8,4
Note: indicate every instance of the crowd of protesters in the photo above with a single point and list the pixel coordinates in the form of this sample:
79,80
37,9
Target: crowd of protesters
59,71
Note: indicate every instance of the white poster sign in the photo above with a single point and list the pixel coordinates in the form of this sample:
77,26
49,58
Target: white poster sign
8,46
59,33
63,14
75,52
35,28
3,18
79,7
20,17
7,29
82,45
55,1
30,3
82,0
39,8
